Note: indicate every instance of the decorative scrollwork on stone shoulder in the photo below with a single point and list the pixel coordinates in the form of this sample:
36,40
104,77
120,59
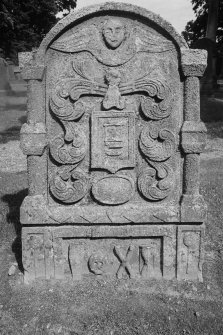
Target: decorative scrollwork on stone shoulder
69,186
70,149
157,144
155,110
158,105
62,105
157,182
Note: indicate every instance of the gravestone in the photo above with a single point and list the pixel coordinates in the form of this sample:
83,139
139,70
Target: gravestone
113,141
11,67
4,75
24,58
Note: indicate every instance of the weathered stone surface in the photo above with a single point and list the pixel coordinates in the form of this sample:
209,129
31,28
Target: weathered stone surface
25,58
57,252
194,62
33,72
193,208
193,137
190,253
33,138
107,190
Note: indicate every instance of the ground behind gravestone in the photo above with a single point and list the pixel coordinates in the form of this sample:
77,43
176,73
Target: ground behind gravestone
102,307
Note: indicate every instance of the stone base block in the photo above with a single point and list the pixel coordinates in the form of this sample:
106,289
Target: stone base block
137,252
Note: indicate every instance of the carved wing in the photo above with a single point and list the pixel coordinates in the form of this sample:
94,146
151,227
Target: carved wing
84,39
153,87
156,104
147,42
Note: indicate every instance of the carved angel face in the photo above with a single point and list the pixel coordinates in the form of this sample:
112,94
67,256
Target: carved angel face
114,32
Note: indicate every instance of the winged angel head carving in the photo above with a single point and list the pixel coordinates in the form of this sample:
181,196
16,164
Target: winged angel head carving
114,32
113,43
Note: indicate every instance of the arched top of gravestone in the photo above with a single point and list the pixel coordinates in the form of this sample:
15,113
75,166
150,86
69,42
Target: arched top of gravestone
115,9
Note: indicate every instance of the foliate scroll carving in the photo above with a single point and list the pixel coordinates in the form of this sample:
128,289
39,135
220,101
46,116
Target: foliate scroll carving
157,144
66,105
156,110
156,98
159,107
70,149
68,185
62,105
156,183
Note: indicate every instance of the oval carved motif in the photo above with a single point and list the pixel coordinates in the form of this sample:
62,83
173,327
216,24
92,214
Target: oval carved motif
113,190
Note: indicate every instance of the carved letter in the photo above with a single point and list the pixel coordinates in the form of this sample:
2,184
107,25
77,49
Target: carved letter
124,262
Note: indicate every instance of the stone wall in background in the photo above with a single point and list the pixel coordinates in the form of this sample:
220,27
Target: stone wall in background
113,141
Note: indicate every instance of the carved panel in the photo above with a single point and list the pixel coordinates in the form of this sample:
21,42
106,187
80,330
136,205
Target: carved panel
73,252
190,252
37,254
112,107
35,260
113,144
151,259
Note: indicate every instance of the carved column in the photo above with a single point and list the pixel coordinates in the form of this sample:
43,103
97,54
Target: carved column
193,135
33,133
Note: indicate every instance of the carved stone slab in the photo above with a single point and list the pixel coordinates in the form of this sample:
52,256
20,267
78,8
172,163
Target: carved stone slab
113,140
60,254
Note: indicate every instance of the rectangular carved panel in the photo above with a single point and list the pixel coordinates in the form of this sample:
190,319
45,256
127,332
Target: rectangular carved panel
37,249
112,136
190,252
111,253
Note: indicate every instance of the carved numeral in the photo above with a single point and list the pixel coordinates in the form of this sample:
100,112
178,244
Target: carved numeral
124,262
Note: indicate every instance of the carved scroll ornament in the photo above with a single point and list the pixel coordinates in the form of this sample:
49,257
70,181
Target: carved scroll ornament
62,105
65,103
157,144
69,186
156,183
71,148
